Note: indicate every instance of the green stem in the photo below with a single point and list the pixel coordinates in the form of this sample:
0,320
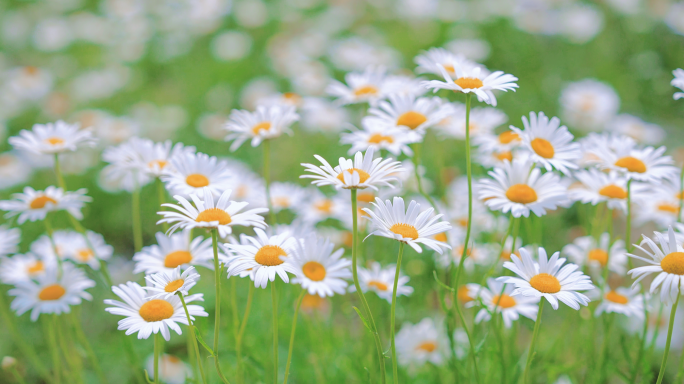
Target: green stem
58,173
103,265
604,349
54,351
137,222
71,358
267,179
419,181
274,301
535,334
157,347
17,376
83,340
680,371
661,374
191,328
395,370
241,332
362,297
292,334
161,196
498,324
217,317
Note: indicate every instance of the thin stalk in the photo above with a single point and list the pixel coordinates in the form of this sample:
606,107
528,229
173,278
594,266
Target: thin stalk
49,230
83,340
58,174
161,196
419,181
673,313
16,375
604,349
157,347
535,334
241,332
362,297
217,317
54,351
292,334
395,370
498,324
680,371
191,328
467,238
267,179
71,358
137,221
274,301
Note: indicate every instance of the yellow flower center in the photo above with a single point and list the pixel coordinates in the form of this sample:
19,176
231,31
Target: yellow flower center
40,202
281,201
545,283
269,255
159,163
312,302
464,295
325,206
263,126
613,191
51,292
411,119
405,230
441,237
365,197
214,214
468,82
521,193
632,164
174,285
363,175
377,138
427,346
378,285
31,70
616,297
314,271
599,255
505,155
37,267
174,259
670,208
504,301
449,68
506,255
508,136
54,141
366,90
543,148
196,180
156,310
673,263
84,254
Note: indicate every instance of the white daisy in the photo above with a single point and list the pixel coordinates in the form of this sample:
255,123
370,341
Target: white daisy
547,279
476,80
34,205
366,87
222,215
392,139
362,172
594,147
678,82
9,240
589,104
468,294
125,169
90,251
319,207
172,370
192,173
585,250
53,138
406,111
482,121
156,157
163,285
510,307
431,60
267,122
477,254
286,196
611,188
505,141
146,315
246,185
646,164
410,226
667,261
404,85
549,143
174,251
660,206
14,170
381,281
516,189
493,159
55,247
320,270
622,300
641,131
24,267
421,343
266,256
51,292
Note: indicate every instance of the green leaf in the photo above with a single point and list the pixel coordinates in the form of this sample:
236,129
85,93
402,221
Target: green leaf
199,338
363,319
479,345
147,378
448,288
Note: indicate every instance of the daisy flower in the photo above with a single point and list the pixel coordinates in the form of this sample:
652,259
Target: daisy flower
163,285
667,261
381,281
622,300
661,207
155,158
223,214
145,316
505,141
246,185
406,111
9,240
637,129
267,122
646,164
286,196
477,254
193,173
678,82
515,188
549,143
172,370
125,169
14,170
469,79
431,60
598,187
34,205
24,267
410,226
585,250
320,270
378,136
548,279
510,308
53,248
174,251
404,85
360,173
53,138
266,256
365,87
482,121
51,293
468,293
78,249
421,343
589,104
319,207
